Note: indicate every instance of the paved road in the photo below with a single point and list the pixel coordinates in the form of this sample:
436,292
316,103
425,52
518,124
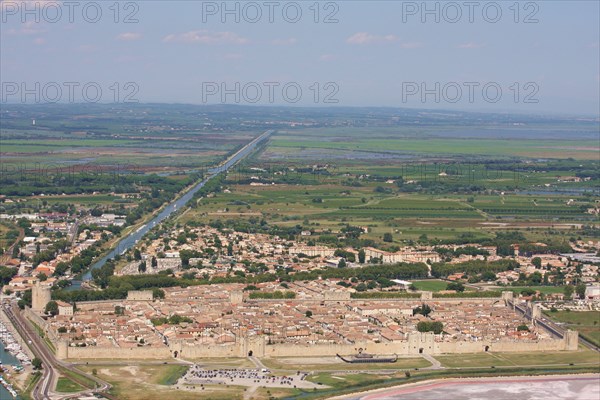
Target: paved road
435,364
39,350
51,366
551,326
257,362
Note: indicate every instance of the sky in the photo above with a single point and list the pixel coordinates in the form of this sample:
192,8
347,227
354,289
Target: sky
504,56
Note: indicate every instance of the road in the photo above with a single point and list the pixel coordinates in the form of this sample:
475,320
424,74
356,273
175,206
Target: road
50,365
132,238
552,327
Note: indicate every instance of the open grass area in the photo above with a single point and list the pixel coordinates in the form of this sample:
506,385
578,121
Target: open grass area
65,385
332,364
471,360
26,394
343,380
78,377
172,374
216,363
519,359
576,317
274,393
587,323
432,285
155,382
565,357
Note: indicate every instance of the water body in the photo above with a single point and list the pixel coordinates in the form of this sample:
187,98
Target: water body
517,388
7,360
571,191
130,240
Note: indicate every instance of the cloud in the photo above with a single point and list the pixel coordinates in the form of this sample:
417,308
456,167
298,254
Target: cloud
368,38
233,56
284,42
411,45
129,36
9,6
206,37
327,57
28,28
86,48
470,45
39,41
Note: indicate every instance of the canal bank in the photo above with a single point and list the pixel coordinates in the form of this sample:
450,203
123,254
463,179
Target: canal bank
132,238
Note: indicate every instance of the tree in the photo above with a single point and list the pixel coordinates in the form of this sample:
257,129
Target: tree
42,276
342,263
361,256
535,278
459,287
137,255
37,363
425,326
437,327
387,237
51,308
568,290
361,287
308,314
62,329
61,269
488,276
580,290
523,328
537,262
424,309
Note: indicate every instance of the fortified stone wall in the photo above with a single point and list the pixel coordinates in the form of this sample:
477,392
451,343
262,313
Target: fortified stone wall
140,295
334,295
116,353
39,321
417,343
40,296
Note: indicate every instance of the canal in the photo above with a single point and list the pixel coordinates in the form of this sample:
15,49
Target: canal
130,240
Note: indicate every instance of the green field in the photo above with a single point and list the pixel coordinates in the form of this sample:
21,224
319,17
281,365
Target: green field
364,140
8,235
154,382
65,385
407,216
587,323
432,285
172,374
519,359
289,364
